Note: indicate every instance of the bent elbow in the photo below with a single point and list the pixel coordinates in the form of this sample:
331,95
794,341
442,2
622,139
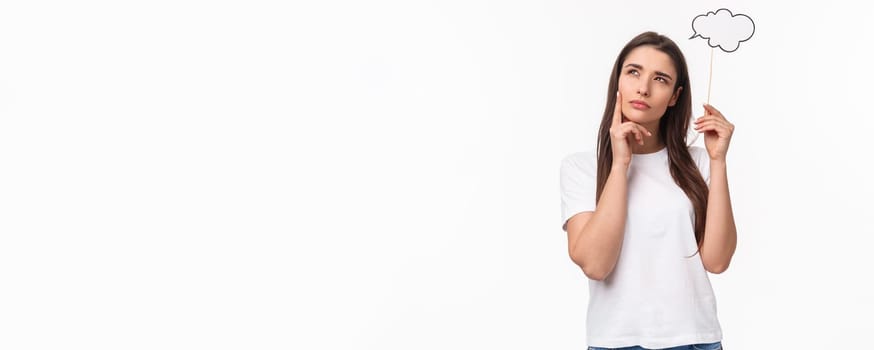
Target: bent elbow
591,273
716,269
595,275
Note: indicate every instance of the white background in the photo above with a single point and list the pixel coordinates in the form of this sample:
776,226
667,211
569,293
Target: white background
384,175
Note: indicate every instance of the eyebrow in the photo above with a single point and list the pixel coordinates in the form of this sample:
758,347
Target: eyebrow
663,74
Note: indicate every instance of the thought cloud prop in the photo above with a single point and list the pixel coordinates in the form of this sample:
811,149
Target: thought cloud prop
723,29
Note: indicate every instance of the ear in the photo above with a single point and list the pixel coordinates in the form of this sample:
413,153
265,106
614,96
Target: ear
675,97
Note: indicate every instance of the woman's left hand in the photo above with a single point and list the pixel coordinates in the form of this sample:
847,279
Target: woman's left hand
717,132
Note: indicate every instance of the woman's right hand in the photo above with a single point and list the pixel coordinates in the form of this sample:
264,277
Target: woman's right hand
622,134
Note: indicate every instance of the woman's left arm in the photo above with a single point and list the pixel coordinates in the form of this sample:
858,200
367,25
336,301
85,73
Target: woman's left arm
720,233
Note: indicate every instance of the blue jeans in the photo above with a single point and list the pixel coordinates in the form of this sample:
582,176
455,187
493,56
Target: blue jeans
711,346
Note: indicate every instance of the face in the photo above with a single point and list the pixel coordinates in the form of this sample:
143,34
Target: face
647,81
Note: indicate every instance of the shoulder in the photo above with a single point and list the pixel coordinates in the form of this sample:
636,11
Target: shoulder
583,160
578,167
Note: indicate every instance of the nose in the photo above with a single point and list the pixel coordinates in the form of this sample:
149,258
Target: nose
643,90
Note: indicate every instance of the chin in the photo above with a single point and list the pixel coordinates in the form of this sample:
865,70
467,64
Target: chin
639,117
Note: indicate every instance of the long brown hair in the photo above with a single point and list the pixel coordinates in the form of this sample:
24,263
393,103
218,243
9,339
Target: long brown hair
673,127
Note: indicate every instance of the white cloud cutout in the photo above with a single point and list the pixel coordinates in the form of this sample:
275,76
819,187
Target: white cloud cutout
723,29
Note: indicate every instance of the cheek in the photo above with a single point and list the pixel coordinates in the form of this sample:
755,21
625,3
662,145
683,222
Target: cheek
665,96
623,83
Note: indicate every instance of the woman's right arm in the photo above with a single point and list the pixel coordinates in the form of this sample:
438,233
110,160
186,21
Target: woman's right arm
595,238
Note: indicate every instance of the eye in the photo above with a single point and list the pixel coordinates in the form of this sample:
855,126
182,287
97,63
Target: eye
632,71
663,79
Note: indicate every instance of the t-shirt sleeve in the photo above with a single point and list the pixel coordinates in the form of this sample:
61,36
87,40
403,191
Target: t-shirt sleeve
578,184
702,160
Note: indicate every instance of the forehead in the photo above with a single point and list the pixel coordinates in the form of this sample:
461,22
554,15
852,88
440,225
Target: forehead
651,59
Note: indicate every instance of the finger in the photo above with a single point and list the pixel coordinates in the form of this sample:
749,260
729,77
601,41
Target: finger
641,128
715,121
712,125
644,130
617,110
702,119
637,126
713,111
710,117
703,124
706,129
620,133
637,135
639,131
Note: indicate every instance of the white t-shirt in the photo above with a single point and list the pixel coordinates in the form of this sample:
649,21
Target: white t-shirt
654,297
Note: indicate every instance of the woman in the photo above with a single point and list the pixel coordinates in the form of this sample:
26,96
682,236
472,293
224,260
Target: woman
641,221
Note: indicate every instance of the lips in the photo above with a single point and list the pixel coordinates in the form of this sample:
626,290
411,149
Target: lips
638,104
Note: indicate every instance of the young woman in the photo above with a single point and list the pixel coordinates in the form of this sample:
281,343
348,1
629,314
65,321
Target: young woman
647,217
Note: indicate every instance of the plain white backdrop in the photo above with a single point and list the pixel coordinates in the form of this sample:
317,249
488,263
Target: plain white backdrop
384,174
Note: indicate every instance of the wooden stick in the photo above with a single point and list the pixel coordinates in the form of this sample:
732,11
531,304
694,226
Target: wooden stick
709,82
